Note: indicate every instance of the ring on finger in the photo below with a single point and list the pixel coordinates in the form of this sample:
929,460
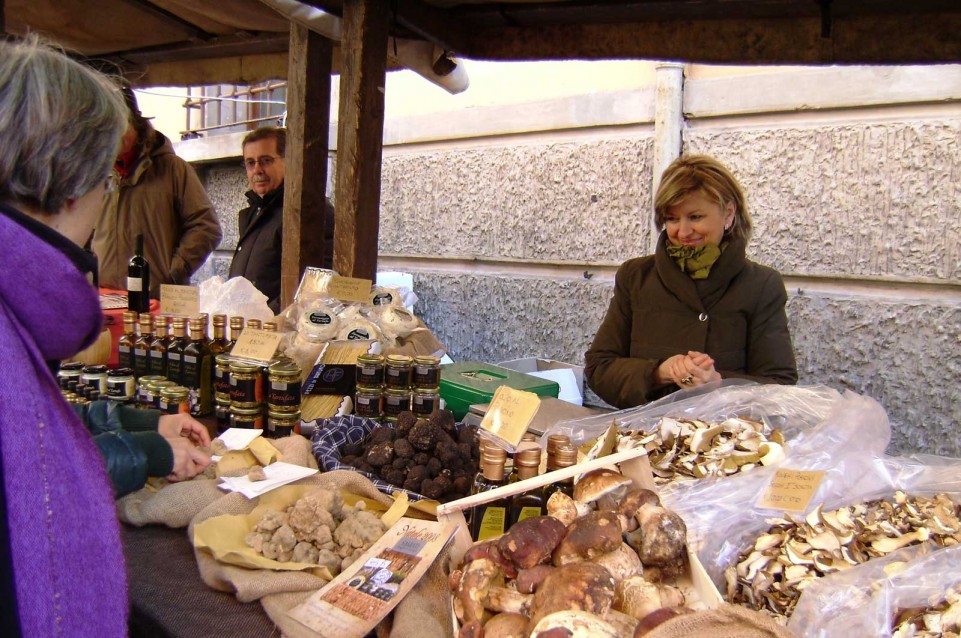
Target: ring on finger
687,380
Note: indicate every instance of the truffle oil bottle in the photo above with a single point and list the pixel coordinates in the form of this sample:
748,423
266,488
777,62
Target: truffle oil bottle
158,348
141,347
527,464
490,519
563,456
197,374
175,351
127,340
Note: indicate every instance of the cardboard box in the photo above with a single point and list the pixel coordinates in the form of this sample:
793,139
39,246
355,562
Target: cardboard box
568,376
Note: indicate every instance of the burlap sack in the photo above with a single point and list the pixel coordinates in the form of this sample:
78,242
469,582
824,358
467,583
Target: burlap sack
175,504
424,612
727,621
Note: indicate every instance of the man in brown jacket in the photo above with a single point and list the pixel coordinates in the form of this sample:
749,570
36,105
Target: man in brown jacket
161,197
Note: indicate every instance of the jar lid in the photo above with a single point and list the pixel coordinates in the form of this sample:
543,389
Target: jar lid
238,411
403,392
96,369
147,379
176,391
284,416
285,368
427,360
159,384
426,391
400,359
223,358
369,389
371,359
239,366
120,372
71,365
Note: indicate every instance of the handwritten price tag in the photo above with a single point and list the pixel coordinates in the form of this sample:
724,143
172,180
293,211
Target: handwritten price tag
510,413
179,300
349,288
258,345
790,490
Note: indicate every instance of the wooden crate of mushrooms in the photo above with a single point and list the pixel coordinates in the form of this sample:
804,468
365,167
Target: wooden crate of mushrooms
604,564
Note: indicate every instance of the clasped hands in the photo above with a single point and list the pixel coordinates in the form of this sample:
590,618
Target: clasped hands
186,435
687,370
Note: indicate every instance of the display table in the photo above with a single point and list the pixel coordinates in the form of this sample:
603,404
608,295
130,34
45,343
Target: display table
168,597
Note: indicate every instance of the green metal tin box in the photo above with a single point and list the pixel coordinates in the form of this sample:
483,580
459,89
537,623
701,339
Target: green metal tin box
468,382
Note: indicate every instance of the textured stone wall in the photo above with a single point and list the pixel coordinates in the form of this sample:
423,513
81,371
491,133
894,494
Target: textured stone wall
513,242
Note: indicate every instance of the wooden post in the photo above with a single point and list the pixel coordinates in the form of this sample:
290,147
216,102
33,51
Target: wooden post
360,133
305,181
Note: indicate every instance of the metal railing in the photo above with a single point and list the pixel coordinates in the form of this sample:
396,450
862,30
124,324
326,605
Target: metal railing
219,109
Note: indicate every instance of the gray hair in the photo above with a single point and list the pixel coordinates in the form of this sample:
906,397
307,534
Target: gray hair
60,126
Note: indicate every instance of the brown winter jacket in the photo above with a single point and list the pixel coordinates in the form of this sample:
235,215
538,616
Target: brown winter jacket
736,316
162,197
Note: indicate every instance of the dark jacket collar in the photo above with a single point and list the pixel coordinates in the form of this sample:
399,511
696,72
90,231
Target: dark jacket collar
256,201
703,293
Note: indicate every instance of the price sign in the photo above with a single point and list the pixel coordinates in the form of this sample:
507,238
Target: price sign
349,288
510,413
790,490
257,345
179,300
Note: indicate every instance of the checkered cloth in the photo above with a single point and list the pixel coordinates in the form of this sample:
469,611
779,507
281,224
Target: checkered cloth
331,434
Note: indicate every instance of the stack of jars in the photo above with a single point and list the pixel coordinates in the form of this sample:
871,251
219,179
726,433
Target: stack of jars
387,386
283,398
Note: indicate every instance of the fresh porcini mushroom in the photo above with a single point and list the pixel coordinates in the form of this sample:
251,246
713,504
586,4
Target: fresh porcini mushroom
506,625
629,506
471,595
602,487
660,537
583,586
573,624
528,580
562,507
473,629
656,618
589,536
622,562
531,541
502,599
637,597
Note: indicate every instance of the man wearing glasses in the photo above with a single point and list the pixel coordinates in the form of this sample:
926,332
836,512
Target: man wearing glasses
260,228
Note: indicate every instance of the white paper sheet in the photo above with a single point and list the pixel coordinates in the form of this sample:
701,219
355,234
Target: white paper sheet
278,474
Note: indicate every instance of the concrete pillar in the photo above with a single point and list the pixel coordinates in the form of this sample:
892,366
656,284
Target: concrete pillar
668,123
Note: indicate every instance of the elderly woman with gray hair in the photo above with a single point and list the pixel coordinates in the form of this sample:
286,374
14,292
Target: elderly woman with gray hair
61,560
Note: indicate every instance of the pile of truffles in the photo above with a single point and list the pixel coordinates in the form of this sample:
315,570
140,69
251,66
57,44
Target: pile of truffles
424,456
684,449
939,620
597,565
771,574
317,529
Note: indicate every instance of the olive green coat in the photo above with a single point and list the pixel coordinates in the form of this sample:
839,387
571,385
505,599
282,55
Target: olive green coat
736,316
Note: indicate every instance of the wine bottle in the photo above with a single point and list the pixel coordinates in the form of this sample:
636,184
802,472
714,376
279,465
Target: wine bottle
138,280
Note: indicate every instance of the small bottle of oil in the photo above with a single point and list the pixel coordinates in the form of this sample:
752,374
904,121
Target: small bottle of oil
527,463
490,519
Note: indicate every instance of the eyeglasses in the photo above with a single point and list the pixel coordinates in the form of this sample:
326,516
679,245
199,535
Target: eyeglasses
265,161
110,185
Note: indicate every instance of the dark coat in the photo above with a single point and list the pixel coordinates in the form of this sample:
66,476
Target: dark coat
736,316
259,248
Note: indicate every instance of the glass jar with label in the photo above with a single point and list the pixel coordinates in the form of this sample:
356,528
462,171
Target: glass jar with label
396,400
247,418
368,402
424,401
69,371
95,376
426,372
222,414
144,397
283,391
154,389
397,369
370,370
121,385
246,385
281,424
174,399
222,376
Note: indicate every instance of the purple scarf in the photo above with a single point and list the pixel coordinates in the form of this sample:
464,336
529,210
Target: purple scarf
65,540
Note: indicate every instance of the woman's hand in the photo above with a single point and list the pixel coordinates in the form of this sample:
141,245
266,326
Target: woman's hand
687,371
183,425
189,460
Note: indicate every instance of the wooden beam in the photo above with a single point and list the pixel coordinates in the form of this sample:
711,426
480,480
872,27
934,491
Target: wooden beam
3,18
360,131
305,182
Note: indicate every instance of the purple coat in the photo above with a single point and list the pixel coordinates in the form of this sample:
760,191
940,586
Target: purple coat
68,564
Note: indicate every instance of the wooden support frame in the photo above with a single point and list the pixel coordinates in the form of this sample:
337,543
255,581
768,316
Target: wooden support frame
360,132
305,181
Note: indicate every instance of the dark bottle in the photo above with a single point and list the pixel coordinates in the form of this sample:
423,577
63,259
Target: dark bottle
490,519
527,464
141,347
197,369
175,351
138,280
158,347
127,340
236,327
563,456
219,344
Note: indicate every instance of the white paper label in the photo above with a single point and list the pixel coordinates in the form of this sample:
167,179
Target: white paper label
134,284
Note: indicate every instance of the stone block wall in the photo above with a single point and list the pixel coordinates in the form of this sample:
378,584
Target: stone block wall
513,239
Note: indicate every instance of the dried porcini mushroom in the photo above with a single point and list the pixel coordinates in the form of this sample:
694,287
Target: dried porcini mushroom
772,573
941,619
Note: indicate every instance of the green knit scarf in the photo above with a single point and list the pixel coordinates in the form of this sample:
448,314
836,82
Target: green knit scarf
696,261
